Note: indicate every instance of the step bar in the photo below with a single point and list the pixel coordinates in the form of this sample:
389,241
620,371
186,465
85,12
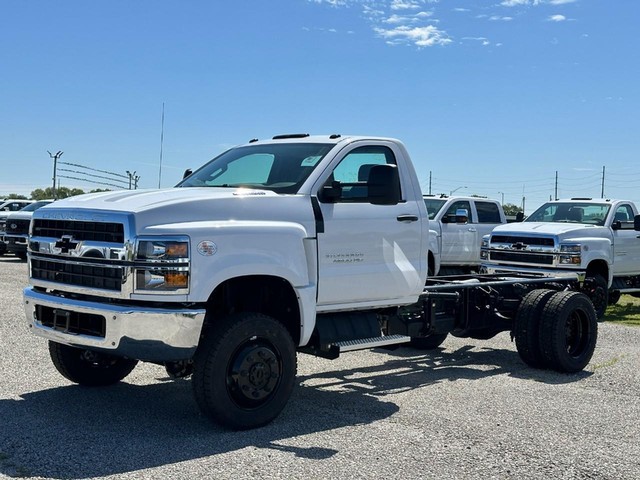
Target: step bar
334,350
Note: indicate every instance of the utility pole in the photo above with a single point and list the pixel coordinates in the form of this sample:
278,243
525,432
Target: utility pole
430,182
602,192
556,193
161,142
55,157
131,177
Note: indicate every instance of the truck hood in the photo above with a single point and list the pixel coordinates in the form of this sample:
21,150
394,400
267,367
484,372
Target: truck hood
154,208
547,228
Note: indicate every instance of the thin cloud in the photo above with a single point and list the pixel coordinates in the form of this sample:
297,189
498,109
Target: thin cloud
498,18
404,5
556,18
428,36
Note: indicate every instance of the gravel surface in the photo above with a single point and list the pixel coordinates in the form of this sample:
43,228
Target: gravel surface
471,410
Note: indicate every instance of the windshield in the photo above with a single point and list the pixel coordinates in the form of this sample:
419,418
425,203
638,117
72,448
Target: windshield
433,206
281,168
590,213
32,207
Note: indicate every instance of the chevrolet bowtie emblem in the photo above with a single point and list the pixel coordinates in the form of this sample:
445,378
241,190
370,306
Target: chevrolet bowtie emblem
519,246
66,243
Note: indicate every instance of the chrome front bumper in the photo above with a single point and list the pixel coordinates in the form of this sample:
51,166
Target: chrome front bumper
499,269
143,333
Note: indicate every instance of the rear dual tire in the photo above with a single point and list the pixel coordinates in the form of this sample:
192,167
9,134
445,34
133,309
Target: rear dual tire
556,330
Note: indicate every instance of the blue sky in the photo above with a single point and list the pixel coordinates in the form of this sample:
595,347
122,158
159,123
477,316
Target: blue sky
491,97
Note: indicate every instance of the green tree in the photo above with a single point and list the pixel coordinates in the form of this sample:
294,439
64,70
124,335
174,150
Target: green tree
511,209
15,196
62,192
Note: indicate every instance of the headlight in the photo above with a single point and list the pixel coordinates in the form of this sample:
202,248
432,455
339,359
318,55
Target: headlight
162,265
485,241
570,254
162,250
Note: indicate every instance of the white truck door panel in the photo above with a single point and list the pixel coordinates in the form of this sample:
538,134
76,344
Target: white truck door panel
626,244
366,254
459,237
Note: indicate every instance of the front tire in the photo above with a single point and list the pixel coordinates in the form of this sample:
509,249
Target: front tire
244,370
596,288
568,332
89,368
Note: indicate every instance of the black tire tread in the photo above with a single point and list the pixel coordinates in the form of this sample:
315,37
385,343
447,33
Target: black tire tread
553,331
67,361
211,395
527,327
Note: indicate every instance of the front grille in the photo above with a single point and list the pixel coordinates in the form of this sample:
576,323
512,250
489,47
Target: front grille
521,257
78,274
17,226
71,322
538,241
82,231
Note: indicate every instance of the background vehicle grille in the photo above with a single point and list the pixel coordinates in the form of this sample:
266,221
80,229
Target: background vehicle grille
91,276
21,226
84,231
522,257
538,241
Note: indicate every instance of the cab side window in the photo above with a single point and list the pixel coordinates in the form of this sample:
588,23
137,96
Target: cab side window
453,209
352,173
624,215
488,212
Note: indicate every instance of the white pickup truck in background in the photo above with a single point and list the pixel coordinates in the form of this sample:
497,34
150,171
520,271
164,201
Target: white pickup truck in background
458,225
596,236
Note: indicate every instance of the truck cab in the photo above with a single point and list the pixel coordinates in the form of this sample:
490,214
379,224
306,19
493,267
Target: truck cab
459,224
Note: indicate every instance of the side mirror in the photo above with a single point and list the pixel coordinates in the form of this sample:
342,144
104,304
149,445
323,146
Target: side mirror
330,192
519,216
636,223
617,225
384,185
187,172
462,215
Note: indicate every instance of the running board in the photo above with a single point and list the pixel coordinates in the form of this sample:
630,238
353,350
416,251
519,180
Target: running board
334,350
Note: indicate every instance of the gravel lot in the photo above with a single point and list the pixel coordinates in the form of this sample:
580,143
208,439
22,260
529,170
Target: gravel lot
469,410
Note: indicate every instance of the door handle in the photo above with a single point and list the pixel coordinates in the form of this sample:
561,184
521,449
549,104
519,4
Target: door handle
471,229
407,218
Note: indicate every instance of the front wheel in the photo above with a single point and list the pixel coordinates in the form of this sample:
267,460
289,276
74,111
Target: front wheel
89,368
244,370
568,332
596,288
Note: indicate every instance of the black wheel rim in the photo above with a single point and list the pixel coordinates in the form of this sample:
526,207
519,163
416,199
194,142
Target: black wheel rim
254,373
577,333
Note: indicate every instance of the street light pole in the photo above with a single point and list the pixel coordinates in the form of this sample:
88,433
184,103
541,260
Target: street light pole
55,157
502,198
455,190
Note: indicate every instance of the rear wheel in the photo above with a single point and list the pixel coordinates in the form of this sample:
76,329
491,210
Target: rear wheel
569,331
526,330
89,368
244,370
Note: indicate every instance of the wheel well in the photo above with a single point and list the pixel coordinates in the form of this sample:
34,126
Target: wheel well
265,294
598,267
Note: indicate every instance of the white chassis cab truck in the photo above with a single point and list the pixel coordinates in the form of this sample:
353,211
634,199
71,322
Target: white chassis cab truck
598,237
458,225
294,244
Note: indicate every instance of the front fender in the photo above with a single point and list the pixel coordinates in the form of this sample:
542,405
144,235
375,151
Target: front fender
241,248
